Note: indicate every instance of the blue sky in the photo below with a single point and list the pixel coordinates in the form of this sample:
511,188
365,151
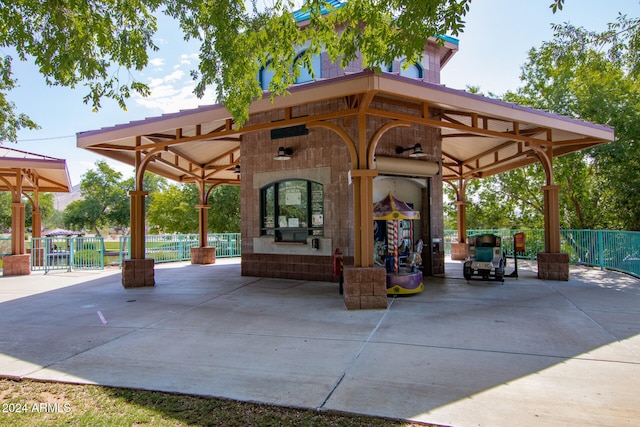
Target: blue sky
494,45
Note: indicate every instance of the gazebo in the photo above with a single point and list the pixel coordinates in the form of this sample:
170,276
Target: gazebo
311,164
28,174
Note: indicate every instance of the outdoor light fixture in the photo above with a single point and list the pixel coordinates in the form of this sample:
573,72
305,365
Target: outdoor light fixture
417,151
283,154
237,170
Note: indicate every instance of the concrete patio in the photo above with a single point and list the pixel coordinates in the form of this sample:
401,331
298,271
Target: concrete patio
526,353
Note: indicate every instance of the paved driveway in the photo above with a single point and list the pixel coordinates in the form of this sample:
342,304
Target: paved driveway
525,353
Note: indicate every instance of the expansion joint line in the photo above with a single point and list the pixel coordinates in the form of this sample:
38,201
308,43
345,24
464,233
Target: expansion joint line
355,358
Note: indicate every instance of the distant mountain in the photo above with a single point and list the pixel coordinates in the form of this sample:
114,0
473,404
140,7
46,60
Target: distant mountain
61,200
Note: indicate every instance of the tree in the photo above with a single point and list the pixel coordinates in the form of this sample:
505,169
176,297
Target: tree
10,121
224,215
173,210
45,203
104,200
594,77
76,43
102,44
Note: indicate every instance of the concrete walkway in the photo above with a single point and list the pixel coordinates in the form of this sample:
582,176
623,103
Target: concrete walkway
525,353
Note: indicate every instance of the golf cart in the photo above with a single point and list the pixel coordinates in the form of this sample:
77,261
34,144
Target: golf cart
486,259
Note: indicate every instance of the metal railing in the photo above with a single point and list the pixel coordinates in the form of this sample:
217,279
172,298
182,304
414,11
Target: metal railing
89,253
614,250
5,246
177,247
67,253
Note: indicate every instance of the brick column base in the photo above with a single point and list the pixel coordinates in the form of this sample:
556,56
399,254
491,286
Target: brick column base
459,251
203,255
137,273
365,288
553,266
17,265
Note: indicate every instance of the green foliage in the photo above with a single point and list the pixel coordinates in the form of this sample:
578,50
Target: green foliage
100,44
5,211
87,257
10,121
173,210
81,42
224,215
45,203
104,202
593,77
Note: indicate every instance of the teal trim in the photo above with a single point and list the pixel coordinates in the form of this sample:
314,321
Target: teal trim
299,15
5,246
67,253
449,39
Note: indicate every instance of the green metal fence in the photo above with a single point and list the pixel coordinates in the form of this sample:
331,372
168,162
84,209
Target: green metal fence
67,253
5,246
177,247
615,250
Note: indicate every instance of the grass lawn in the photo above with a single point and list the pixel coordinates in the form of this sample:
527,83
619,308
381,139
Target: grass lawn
31,403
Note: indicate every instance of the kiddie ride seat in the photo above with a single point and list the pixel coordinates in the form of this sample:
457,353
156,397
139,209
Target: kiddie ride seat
486,259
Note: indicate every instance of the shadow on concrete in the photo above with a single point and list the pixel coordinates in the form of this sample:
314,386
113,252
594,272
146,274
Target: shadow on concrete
541,352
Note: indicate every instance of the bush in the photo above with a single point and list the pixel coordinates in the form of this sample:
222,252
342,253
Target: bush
87,257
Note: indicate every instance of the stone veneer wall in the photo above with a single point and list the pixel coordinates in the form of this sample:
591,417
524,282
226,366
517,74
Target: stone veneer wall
553,266
321,153
322,148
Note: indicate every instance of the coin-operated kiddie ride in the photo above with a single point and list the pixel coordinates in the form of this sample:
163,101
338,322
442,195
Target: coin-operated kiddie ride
393,236
486,259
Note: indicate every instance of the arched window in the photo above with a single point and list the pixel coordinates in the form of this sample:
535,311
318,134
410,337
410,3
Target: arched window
292,210
414,71
265,77
305,75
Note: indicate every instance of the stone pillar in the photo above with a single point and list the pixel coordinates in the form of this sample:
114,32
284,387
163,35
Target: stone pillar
137,273
17,265
365,288
203,255
553,266
459,251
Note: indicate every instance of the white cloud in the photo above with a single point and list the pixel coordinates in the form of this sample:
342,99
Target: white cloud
157,62
173,91
175,76
187,59
170,99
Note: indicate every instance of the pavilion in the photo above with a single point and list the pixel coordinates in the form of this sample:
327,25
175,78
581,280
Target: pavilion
329,150
28,175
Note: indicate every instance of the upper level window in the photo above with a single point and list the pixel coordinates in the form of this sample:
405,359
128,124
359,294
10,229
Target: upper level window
266,75
413,71
292,210
305,74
